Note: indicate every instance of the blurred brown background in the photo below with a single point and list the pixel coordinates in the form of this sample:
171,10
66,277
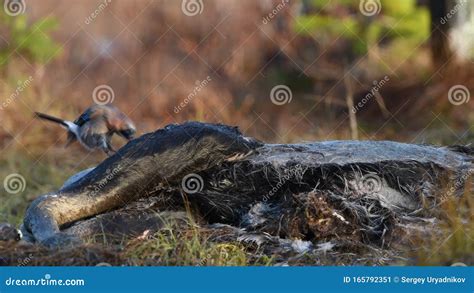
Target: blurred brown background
165,65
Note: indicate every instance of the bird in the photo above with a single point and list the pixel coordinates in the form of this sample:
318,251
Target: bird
95,127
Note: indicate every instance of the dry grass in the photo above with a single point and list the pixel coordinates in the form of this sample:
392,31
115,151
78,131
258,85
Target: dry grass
173,245
453,240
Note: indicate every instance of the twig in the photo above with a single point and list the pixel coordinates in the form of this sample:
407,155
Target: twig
350,106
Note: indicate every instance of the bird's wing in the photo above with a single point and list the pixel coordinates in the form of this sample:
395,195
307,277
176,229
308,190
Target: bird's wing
83,118
91,113
104,119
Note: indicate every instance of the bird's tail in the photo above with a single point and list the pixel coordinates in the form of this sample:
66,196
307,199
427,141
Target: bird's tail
51,118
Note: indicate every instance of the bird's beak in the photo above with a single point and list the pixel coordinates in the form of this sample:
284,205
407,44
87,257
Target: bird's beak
127,134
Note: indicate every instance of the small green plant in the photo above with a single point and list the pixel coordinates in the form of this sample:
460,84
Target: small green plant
31,40
186,247
190,246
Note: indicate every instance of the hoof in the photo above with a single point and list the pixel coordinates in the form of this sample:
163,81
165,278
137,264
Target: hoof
9,233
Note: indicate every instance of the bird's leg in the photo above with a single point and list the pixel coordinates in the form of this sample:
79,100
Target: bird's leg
109,150
106,146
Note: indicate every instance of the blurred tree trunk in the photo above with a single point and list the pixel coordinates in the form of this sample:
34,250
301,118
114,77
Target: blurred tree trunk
440,48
